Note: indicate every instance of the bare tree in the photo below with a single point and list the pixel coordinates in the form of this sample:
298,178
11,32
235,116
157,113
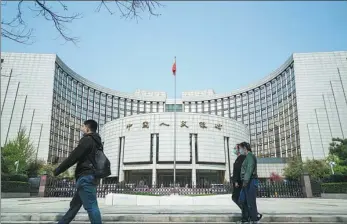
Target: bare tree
16,29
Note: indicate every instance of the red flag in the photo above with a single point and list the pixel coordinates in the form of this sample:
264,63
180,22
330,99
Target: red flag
174,67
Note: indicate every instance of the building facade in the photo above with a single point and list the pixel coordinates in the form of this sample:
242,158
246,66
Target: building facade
141,147
296,110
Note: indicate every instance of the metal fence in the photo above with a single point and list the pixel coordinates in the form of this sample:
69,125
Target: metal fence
34,186
289,189
66,188
316,187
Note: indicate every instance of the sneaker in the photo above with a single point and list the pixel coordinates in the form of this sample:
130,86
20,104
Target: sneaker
242,221
260,216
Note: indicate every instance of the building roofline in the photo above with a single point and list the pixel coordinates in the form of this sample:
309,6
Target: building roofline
157,96
140,94
239,91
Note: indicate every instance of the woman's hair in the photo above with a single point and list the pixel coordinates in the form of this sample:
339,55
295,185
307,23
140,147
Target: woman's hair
246,145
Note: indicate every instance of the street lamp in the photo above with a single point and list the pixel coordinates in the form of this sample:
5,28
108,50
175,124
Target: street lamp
16,164
332,164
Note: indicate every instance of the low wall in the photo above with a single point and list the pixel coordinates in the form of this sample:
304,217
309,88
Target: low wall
14,195
333,196
143,200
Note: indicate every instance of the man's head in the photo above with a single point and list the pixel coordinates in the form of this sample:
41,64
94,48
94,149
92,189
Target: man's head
89,126
246,146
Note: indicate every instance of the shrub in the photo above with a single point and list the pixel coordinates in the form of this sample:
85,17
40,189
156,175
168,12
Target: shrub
294,168
14,177
34,168
21,150
337,178
15,187
274,177
334,188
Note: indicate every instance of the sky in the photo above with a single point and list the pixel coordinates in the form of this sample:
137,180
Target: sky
222,46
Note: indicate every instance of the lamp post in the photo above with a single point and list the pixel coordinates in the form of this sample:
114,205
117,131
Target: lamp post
332,164
16,164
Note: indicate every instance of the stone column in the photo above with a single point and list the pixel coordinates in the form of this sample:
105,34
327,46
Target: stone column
154,159
42,187
193,161
121,166
227,160
306,185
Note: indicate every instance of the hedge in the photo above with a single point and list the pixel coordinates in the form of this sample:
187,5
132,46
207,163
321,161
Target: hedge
336,178
15,186
14,177
336,188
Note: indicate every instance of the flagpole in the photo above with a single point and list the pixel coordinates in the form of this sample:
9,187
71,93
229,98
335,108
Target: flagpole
175,131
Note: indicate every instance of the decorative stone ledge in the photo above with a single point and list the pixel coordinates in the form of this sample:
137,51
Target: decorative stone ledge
143,200
333,196
14,195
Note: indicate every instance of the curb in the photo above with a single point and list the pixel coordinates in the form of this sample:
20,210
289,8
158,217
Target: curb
88,222
169,218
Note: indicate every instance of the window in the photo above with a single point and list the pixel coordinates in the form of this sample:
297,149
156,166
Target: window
171,108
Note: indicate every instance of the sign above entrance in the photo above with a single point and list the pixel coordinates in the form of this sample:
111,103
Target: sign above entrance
202,125
145,124
184,124
129,126
218,126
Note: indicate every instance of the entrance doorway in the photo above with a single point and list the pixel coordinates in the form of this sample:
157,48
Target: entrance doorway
139,178
165,178
205,178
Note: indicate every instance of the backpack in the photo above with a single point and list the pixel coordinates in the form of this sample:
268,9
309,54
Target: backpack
103,164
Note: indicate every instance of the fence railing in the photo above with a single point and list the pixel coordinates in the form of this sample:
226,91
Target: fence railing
66,188
290,189
316,187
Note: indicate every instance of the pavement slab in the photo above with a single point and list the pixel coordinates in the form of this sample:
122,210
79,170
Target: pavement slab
275,210
265,205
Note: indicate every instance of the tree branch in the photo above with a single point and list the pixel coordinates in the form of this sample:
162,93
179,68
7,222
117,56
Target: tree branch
58,20
16,29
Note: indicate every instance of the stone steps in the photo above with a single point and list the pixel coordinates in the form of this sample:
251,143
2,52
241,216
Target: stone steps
45,218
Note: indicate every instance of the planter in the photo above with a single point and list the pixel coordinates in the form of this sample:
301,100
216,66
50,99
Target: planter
14,195
333,196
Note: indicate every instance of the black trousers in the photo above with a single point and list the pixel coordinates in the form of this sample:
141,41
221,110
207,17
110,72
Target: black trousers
249,205
236,194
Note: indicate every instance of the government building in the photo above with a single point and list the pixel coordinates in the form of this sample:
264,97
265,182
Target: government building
295,110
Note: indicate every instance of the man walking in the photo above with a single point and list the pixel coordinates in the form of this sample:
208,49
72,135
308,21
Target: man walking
86,183
249,179
237,183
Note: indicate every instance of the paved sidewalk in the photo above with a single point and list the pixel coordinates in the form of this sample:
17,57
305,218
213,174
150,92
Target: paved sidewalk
265,205
49,210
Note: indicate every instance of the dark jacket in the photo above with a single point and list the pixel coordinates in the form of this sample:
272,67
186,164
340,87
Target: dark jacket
249,168
237,169
83,155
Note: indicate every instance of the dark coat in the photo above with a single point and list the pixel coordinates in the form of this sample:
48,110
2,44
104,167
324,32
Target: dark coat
83,155
237,169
